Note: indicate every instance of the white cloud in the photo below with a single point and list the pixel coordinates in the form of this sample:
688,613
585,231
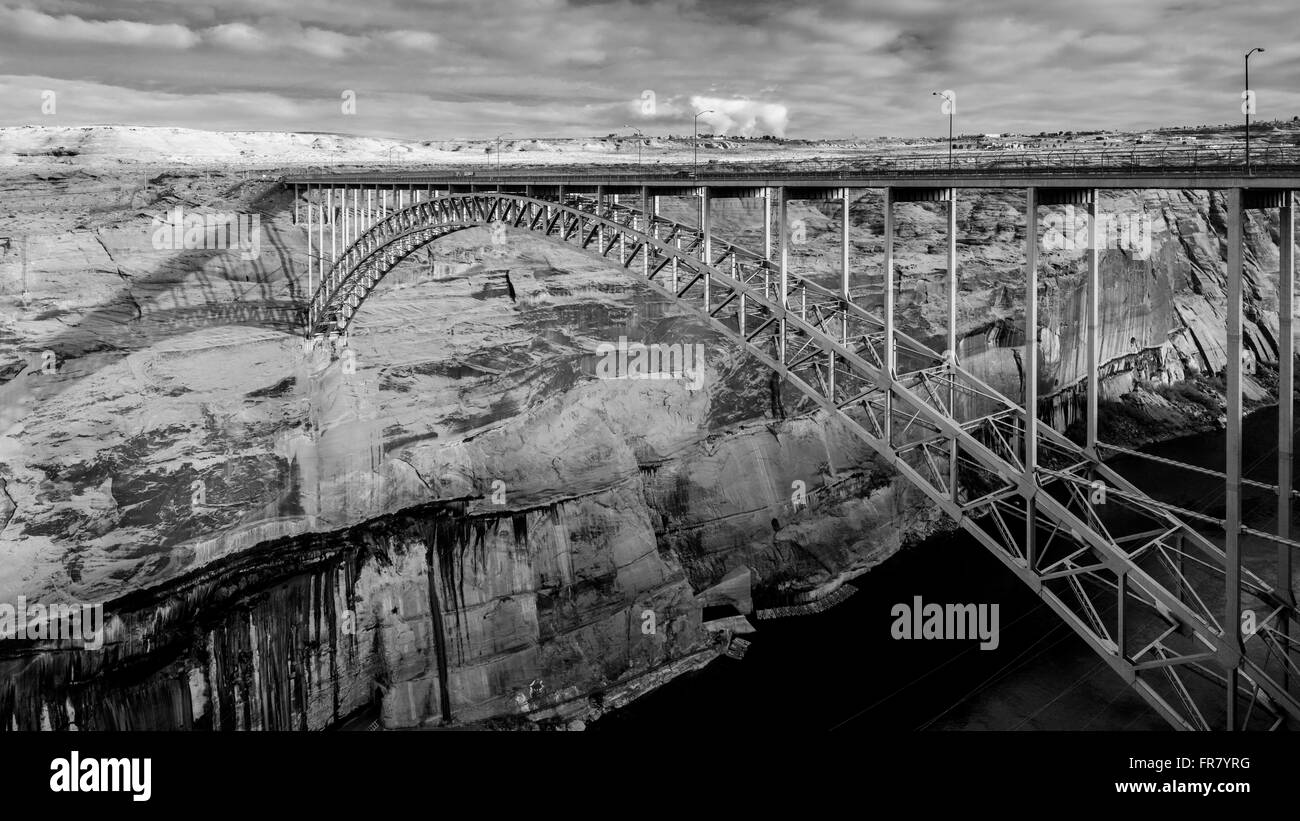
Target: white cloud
70,28
742,118
238,36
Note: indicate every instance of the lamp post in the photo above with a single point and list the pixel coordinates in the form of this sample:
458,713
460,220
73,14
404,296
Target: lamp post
499,136
948,106
1248,104
640,138
697,138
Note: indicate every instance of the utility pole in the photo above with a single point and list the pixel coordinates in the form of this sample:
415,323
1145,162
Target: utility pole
1248,104
640,139
949,107
499,136
697,138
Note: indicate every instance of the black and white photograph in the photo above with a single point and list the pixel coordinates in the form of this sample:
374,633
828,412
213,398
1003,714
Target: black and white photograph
541,378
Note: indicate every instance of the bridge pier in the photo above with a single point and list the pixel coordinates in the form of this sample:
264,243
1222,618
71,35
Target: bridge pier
767,224
600,227
1285,414
647,228
310,292
844,265
1093,357
953,460
320,236
1232,466
887,352
1029,482
784,227
706,229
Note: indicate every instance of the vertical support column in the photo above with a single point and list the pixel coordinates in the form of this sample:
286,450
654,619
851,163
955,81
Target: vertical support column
952,272
622,235
887,344
844,289
343,208
309,250
953,450
1286,387
767,241
320,238
767,223
654,215
784,230
600,226
1232,467
295,203
1094,320
370,209
844,264
1285,410
356,214
706,227
1121,626
334,235
676,244
649,219
1029,484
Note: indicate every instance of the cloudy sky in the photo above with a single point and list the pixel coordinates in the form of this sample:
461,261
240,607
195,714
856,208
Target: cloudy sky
433,69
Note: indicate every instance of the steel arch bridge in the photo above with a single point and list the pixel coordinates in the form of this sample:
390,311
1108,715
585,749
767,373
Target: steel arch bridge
1144,589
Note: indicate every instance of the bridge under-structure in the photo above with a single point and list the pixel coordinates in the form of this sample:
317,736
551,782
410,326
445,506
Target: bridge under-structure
1156,599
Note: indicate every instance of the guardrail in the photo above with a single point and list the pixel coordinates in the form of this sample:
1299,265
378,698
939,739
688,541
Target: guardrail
1205,160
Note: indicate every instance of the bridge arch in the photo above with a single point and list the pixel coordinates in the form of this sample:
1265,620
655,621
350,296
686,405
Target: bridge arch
951,435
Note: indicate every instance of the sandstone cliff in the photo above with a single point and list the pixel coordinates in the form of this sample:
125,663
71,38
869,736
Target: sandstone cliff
457,515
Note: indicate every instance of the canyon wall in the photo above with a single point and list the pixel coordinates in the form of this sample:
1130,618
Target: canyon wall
455,520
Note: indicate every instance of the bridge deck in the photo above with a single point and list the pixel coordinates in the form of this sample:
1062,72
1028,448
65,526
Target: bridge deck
1275,178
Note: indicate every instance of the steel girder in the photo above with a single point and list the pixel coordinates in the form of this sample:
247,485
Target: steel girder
1140,586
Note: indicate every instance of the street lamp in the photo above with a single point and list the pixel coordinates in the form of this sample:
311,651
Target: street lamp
499,136
640,137
697,138
949,105
1248,105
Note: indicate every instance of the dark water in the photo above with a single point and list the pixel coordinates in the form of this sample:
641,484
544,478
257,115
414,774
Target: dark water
841,670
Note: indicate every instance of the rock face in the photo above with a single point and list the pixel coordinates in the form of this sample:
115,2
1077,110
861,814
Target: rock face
455,520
